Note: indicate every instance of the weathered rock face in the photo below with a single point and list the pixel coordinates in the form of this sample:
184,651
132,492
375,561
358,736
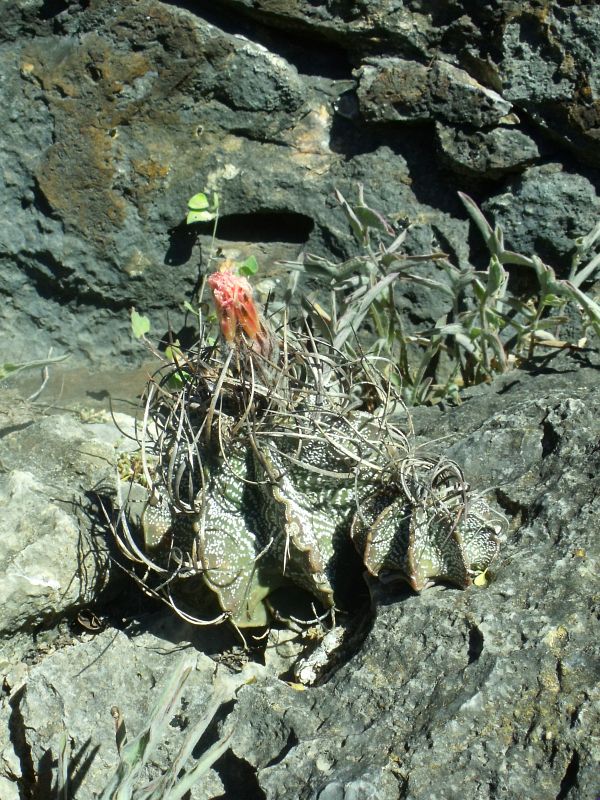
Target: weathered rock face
549,234
406,91
559,47
114,115
117,113
54,553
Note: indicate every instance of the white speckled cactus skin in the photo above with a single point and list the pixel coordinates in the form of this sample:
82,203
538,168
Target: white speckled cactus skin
265,521
272,463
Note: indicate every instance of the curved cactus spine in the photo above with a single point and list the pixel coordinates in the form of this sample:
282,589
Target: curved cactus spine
264,460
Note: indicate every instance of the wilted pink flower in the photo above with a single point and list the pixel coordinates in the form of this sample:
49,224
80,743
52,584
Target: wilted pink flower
235,305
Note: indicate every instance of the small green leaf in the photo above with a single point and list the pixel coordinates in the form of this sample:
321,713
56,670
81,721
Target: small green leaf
494,319
497,278
177,380
140,325
187,306
248,267
372,219
479,291
359,230
174,352
199,216
553,300
201,209
7,368
199,202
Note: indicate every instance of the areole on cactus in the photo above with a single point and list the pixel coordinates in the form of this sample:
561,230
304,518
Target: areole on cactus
268,467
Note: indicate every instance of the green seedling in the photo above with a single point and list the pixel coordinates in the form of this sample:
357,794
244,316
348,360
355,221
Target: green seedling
175,354
486,331
140,325
248,267
8,369
202,209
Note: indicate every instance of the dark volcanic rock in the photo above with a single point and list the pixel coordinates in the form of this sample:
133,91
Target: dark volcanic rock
489,154
117,118
124,123
406,91
118,113
549,67
544,210
363,26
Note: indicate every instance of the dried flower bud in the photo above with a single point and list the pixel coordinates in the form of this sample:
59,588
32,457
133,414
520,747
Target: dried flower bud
235,305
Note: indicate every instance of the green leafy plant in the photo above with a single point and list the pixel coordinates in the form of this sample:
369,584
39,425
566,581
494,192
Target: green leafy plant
8,369
140,324
248,267
553,292
202,209
486,331
263,412
128,781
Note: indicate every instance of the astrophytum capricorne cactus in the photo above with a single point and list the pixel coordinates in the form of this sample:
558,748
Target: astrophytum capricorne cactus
265,463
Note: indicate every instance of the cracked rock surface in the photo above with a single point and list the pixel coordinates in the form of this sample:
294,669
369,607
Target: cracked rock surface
54,554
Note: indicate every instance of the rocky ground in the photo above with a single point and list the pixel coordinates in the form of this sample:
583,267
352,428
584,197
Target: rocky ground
115,114
488,692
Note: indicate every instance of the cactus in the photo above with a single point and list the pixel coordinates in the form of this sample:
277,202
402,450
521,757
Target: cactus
271,454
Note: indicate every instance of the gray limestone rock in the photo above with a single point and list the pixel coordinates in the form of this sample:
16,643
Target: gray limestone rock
479,693
76,689
54,554
447,694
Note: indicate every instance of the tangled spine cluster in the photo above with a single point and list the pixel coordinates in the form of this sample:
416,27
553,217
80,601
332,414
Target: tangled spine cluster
268,454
